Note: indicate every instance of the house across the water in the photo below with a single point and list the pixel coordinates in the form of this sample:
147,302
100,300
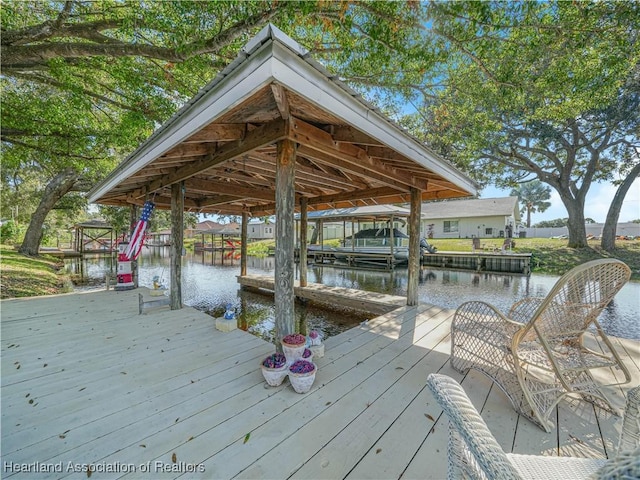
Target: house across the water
480,217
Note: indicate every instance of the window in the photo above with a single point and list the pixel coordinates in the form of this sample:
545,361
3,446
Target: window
450,226
268,230
488,232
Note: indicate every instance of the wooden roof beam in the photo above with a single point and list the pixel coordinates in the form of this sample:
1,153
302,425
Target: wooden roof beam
218,132
348,134
216,187
280,96
318,145
304,176
329,179
263,135
353,195
187,150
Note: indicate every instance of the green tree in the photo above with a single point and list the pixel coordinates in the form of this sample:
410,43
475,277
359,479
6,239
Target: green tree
558,222
85,82
542,89
533,197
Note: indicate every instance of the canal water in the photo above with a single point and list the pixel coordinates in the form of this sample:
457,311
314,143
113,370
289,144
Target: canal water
209,284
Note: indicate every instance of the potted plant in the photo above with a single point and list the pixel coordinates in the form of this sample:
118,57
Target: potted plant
307,355
293,346
302,373
274,369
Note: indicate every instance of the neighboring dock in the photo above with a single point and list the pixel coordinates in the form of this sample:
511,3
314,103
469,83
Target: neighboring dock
86,380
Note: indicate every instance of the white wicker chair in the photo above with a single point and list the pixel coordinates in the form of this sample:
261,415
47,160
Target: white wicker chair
535,353
474,452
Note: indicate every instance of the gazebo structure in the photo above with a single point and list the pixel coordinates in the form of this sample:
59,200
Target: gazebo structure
228,236
93,236
273,133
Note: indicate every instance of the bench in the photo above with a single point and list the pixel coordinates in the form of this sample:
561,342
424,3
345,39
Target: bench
145,302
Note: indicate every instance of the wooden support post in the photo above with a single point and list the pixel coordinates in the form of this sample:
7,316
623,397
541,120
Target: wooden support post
177,232
414,247
303,241
243,244
284,261
391,239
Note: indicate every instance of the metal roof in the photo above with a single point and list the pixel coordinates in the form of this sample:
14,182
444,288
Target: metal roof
222,143
373,212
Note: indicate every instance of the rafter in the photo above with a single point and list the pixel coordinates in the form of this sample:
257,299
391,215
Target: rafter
216,187
320,146
266,134
280,96
348,134
218,132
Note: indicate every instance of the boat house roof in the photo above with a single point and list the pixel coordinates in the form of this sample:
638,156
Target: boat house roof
222,143
372,212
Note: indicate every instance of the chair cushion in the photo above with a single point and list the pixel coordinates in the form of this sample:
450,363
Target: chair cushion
537,467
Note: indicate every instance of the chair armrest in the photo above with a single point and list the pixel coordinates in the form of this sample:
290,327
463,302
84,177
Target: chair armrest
467,422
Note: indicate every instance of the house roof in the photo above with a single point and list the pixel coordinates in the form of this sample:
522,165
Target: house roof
222,143
372,212
478,207
207,225
96,223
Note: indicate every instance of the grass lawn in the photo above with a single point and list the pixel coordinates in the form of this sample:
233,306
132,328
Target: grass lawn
22,276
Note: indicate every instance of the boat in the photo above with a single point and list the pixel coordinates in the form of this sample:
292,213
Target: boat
374,246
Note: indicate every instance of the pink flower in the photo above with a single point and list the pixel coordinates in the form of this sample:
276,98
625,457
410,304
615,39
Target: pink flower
302,366
313,334
294,339
275,360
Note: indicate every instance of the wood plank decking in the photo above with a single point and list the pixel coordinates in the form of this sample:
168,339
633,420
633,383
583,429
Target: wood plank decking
87,380
370,302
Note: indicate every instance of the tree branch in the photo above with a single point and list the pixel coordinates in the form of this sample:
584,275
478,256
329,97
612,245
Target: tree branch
54,83
479,63
18,53
47,150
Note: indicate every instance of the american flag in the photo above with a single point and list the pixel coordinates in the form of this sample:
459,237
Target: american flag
135,244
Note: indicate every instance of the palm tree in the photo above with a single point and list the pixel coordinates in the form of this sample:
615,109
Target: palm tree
533,196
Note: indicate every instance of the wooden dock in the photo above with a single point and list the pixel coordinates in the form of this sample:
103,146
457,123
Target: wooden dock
370,302
57,252
481,261
498,262
88,381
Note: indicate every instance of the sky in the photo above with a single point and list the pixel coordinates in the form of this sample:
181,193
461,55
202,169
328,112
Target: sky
596,206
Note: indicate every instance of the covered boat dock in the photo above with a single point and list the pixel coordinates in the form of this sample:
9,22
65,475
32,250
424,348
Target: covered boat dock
275,133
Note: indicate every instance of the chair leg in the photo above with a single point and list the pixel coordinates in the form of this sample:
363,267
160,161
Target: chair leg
469,351
591,392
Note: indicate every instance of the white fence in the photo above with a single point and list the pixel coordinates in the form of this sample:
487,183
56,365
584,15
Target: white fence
595,229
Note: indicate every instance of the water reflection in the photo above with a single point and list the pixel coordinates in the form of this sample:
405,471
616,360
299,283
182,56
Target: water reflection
209,284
